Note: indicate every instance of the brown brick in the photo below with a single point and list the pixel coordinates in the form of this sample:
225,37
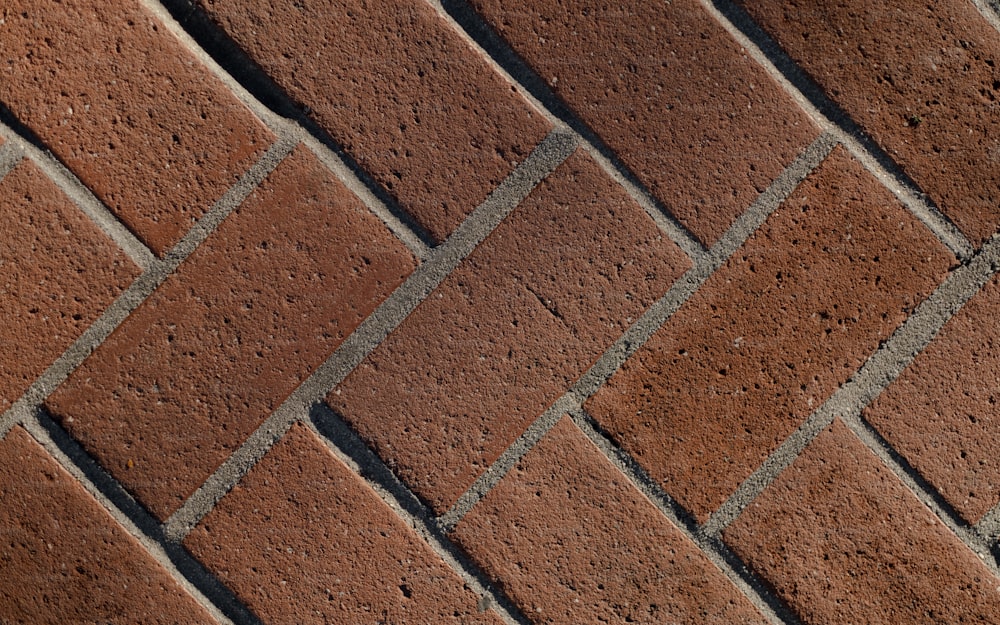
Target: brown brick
941,413
58,273
66,560
843,541
505,334
127,109
765,341
921,80
572,541
681,103
404,94
263,302
302,539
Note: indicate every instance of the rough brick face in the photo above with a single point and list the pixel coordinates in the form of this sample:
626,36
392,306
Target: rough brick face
58,273
66,560
843,541
302,539
399,89
246,318
504,335
921,79
941,413
573,541
666,88
127,109
765,341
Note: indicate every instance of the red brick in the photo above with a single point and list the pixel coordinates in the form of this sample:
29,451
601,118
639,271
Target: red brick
404,94
921,80
506,333
251,313
843,541
572,541
58,273
135,116
681,104
302,539
66,560
941,413
788,318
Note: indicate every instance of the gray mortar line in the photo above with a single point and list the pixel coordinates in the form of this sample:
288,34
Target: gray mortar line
303,130
532,88
10,157
644,328
546,157
832,119
140,289
989,525
753,588
353,452
990,10
82,198
201,585
875,375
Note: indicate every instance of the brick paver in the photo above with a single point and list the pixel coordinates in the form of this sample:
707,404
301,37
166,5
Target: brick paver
522,318
216,349
57,274
401,91
921,80
136,117
843,541
665,87
66,560
538,400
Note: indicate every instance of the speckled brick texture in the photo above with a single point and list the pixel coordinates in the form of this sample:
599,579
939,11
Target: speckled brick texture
504,313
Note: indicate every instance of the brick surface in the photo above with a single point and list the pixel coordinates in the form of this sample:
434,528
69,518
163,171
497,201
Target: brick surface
572,541
246,318
941,413
843,541
127,109
399,89
771,335
505,334
65,560
302,539
921,80
58,273
665,87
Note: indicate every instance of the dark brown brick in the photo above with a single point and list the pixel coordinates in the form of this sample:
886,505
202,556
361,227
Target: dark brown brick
843,541
572,541
505,334
248,316
941,413
58,273
765,341
404,94
66,560
302,539
681,103
920,79
133,114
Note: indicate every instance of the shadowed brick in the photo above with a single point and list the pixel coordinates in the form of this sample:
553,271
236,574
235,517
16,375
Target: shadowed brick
506,333
665,87
766,340
921,79
127,109
572,541
302,539
65,560
842,541
401,91
245,319
58,273
941,413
